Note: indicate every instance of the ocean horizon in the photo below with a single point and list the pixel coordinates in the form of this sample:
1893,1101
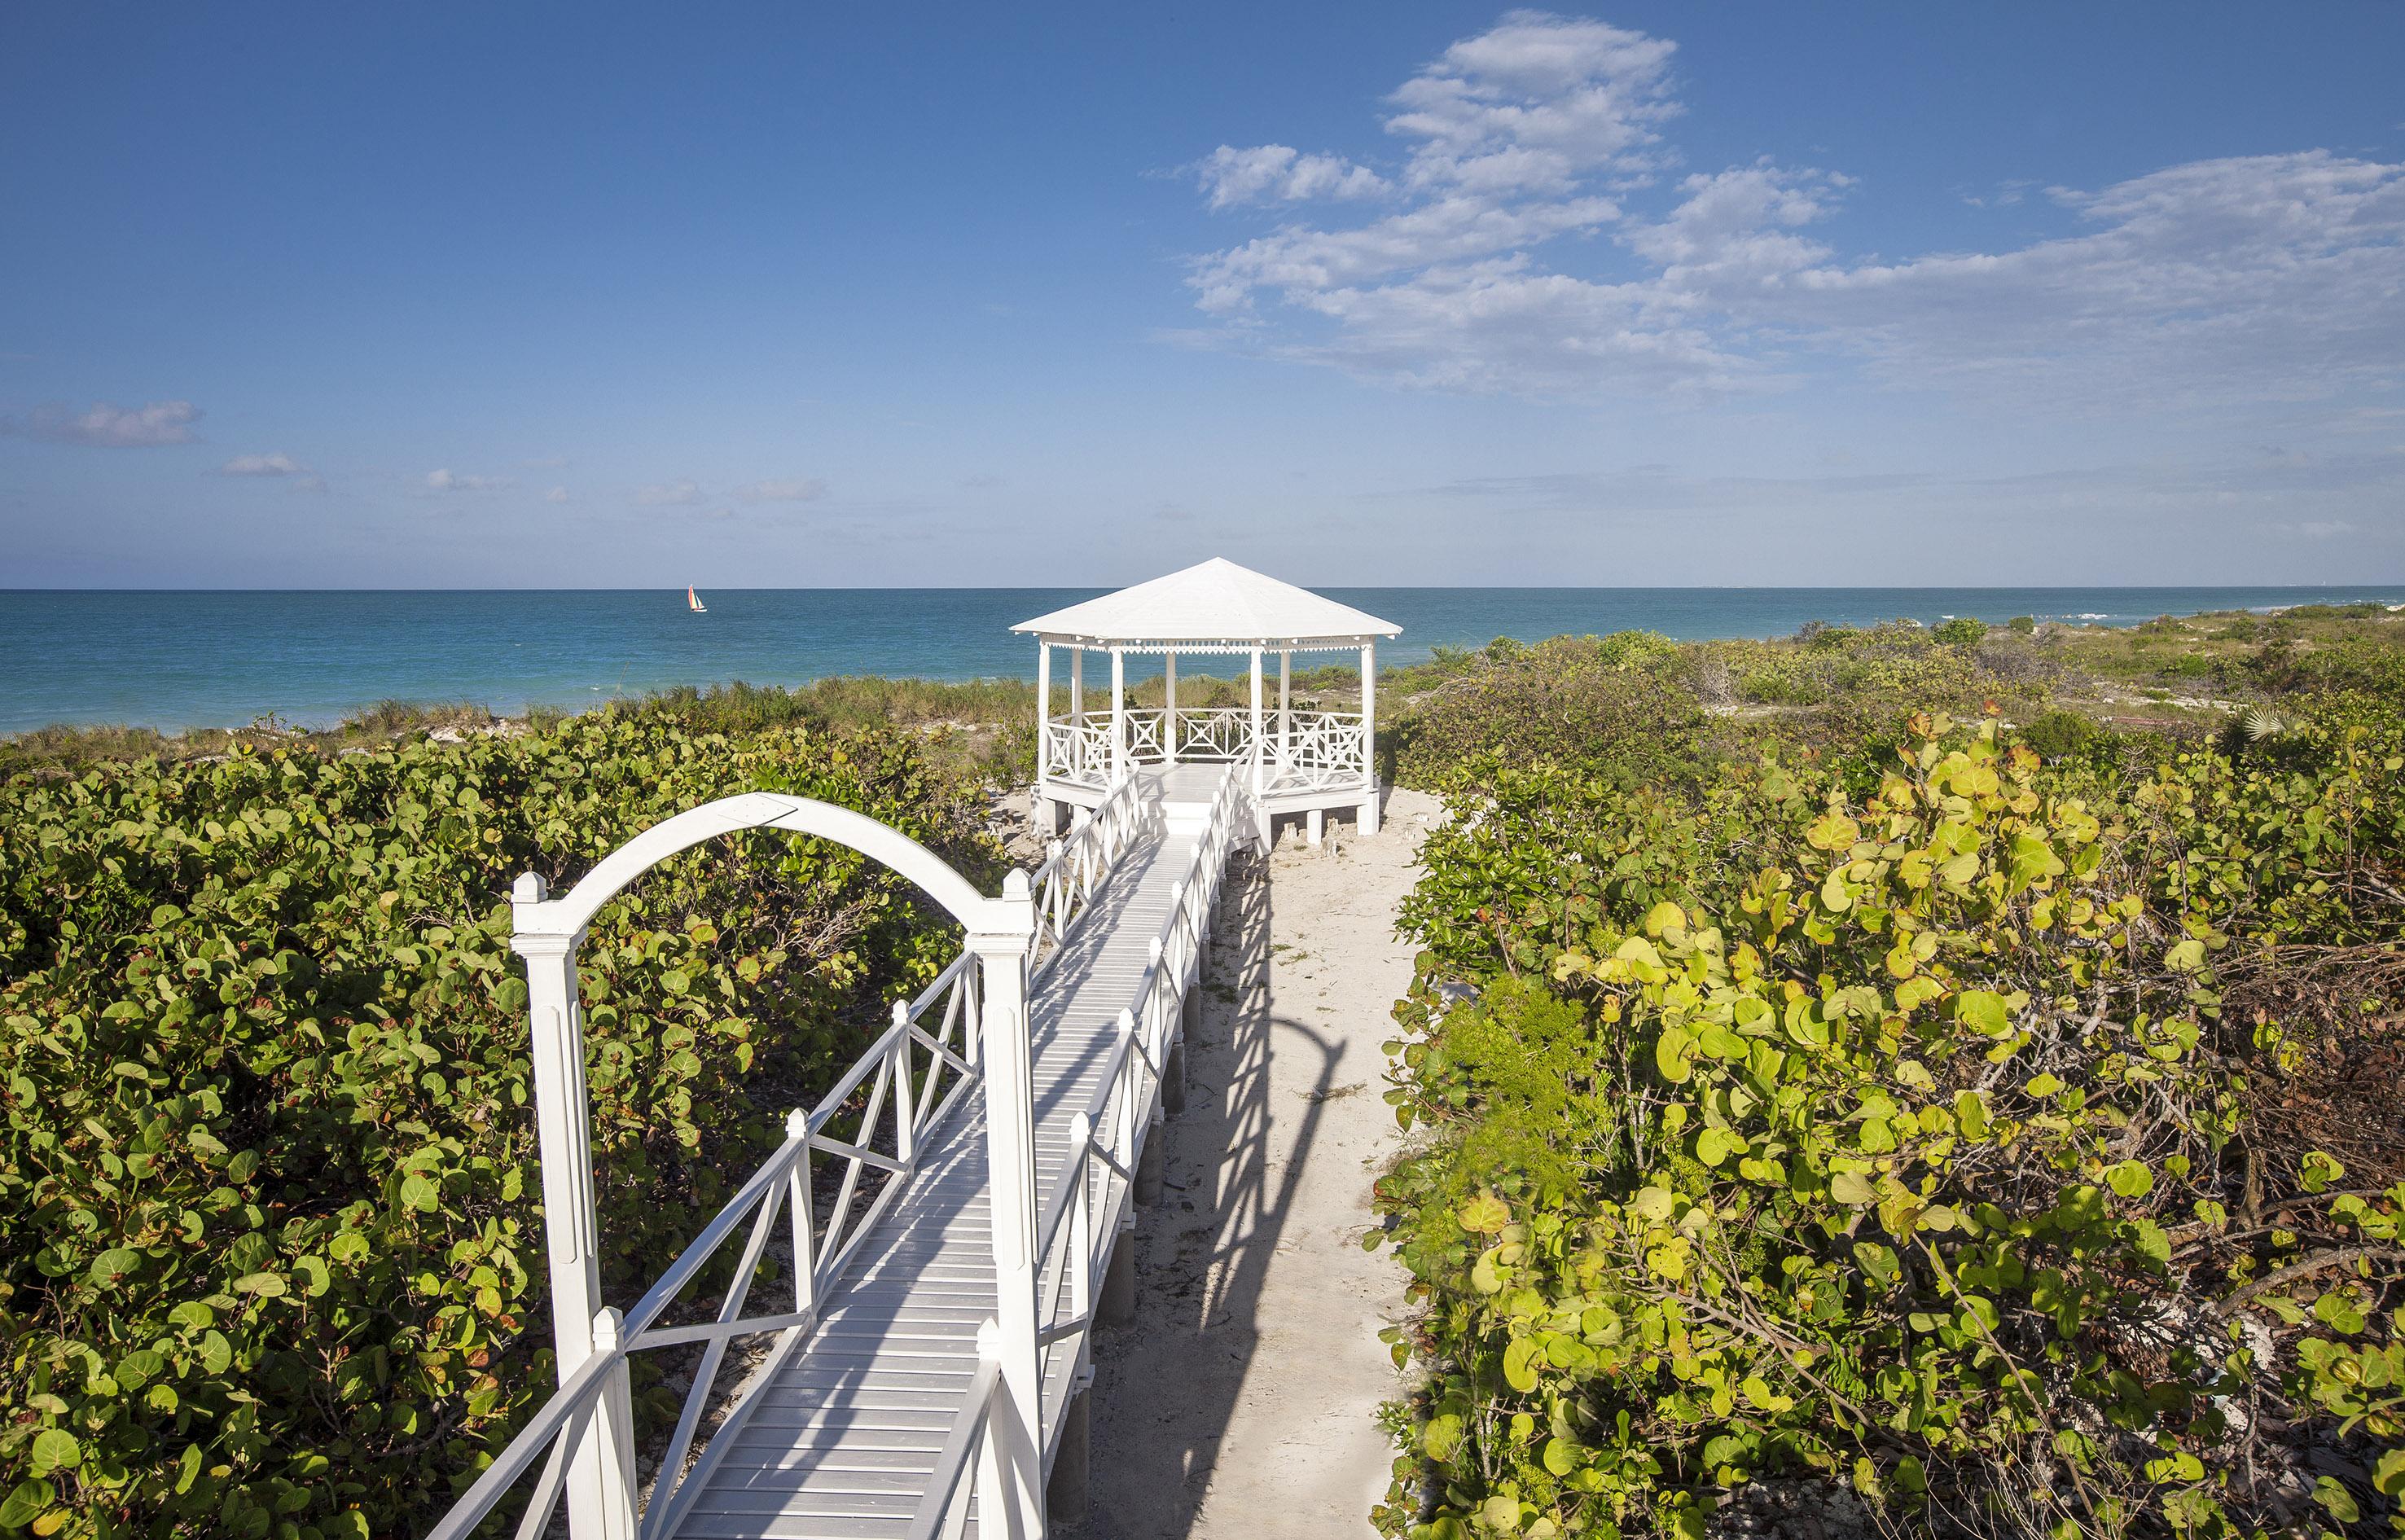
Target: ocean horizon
185,658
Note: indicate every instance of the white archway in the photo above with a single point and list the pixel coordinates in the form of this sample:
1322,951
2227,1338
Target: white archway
600,1485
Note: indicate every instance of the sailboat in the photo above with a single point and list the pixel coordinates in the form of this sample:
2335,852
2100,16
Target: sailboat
693,600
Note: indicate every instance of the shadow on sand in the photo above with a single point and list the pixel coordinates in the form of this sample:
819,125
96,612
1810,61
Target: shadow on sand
1166,1385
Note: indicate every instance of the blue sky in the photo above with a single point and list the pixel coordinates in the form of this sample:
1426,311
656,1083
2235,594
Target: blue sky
563,296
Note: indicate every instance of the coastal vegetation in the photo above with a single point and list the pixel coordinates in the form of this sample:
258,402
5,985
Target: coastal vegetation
267,1260
1858,1078
1954,1035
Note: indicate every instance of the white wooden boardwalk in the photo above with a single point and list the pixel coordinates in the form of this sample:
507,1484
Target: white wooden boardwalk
940,1331
844,1439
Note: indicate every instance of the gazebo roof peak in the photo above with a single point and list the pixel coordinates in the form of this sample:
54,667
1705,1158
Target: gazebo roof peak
1213,602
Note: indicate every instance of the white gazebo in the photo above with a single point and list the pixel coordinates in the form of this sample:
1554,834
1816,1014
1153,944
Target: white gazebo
1298,762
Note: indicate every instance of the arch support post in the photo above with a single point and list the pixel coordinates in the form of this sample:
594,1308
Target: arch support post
1001,938
600,1486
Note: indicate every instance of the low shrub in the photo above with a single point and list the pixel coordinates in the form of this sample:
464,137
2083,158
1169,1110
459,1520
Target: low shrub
1900,1126
268,1161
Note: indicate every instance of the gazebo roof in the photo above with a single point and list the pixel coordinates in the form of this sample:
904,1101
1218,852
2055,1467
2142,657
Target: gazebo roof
1216,603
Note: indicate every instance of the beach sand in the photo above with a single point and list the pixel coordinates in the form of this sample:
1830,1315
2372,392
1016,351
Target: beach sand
1242,1400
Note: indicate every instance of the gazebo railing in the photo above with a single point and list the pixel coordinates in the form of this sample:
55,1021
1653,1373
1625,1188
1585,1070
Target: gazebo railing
1078,750
1318,750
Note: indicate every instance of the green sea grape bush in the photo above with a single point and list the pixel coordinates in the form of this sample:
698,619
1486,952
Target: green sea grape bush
1899,1130
1618,697
269,1196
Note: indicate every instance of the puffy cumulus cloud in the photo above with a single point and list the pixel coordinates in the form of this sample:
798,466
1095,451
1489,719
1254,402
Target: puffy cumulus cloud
102,426
800,489
1534,104
683,494
2277,276
263,464
460,481
1279,174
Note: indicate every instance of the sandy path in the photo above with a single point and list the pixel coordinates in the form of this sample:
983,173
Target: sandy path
1241,1401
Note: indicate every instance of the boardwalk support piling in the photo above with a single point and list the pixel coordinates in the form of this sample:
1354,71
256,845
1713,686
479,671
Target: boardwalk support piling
1173,1077
1114,1302
1064,1495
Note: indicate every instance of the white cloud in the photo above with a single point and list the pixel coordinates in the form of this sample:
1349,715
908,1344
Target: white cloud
278,464
459,481
2267,276
796,490
669,494
1279,174
106,427
1535,103
556,495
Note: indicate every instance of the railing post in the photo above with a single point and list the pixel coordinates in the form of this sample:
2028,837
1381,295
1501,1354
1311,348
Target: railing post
601,1470
1001,940
802,1213
906,1101
1081,1222
1003,1450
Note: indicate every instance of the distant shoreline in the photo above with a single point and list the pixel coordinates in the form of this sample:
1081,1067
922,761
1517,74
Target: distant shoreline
178,660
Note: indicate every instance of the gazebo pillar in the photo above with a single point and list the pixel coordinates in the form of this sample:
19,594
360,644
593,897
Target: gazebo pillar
1119,715
1257,722
1168,708
1043,808
1368,821
1285,704
1077,684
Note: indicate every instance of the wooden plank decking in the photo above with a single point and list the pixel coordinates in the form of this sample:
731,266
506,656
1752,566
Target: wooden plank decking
843,1439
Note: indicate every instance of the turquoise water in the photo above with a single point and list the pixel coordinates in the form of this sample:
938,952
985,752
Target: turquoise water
215,659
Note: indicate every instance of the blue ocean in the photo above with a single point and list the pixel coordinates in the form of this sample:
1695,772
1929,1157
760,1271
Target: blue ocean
173,660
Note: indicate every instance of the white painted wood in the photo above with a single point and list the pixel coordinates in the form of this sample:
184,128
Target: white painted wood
1286,701
897,1306
1010,1172
1368,818
1257,722
1169,713
1118,716
1043,711
601,1469
1212,602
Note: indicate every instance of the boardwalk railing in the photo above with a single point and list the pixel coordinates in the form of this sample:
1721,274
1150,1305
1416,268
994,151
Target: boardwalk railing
971,1025
1082,1211
1074,868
